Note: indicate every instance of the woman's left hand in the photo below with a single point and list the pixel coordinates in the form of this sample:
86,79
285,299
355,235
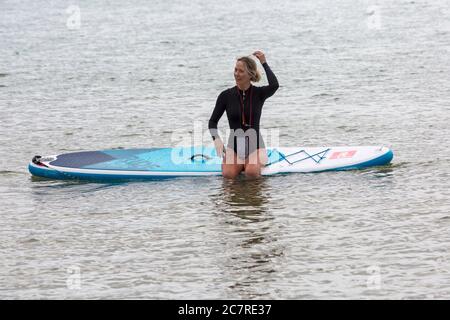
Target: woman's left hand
260,55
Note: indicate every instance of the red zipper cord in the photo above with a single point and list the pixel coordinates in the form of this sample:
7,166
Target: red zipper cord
241,100
251,106
241,105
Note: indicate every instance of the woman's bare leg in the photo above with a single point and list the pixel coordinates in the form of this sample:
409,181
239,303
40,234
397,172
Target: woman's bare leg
255,161
232,165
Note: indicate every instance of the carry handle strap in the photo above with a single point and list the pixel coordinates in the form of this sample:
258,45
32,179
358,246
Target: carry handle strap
201,155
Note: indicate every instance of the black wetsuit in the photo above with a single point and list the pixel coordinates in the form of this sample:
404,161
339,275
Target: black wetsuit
243,112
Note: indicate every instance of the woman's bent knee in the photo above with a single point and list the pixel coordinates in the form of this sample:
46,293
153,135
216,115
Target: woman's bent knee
253,170
231,171
229,174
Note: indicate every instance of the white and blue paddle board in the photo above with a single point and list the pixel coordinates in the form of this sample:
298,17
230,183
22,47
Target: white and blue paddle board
141,164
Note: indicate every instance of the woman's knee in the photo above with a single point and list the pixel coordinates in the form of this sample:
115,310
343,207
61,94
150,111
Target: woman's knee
231,171
253,170
229,174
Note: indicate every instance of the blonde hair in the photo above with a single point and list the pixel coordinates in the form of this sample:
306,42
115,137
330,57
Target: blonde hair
251,68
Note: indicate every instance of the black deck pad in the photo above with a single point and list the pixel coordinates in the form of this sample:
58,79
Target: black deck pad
81,159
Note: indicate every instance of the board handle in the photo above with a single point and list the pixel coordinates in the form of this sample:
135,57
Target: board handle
200,155
36,159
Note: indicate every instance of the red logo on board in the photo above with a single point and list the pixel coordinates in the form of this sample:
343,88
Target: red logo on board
343,154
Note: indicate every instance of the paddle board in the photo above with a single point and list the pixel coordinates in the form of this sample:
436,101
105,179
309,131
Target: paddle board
141,164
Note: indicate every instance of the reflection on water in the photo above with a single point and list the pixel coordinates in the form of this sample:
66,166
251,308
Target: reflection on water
250,236
245,198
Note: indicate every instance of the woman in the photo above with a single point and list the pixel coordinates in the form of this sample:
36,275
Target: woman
243,104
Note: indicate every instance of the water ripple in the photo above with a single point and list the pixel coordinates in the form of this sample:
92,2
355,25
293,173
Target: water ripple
135,82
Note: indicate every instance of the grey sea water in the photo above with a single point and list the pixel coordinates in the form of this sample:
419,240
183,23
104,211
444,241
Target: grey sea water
92,75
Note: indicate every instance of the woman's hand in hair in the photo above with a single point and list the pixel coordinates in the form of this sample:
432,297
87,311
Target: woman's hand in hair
260,55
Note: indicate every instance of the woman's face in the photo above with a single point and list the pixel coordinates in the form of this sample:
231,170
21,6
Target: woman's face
240,74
